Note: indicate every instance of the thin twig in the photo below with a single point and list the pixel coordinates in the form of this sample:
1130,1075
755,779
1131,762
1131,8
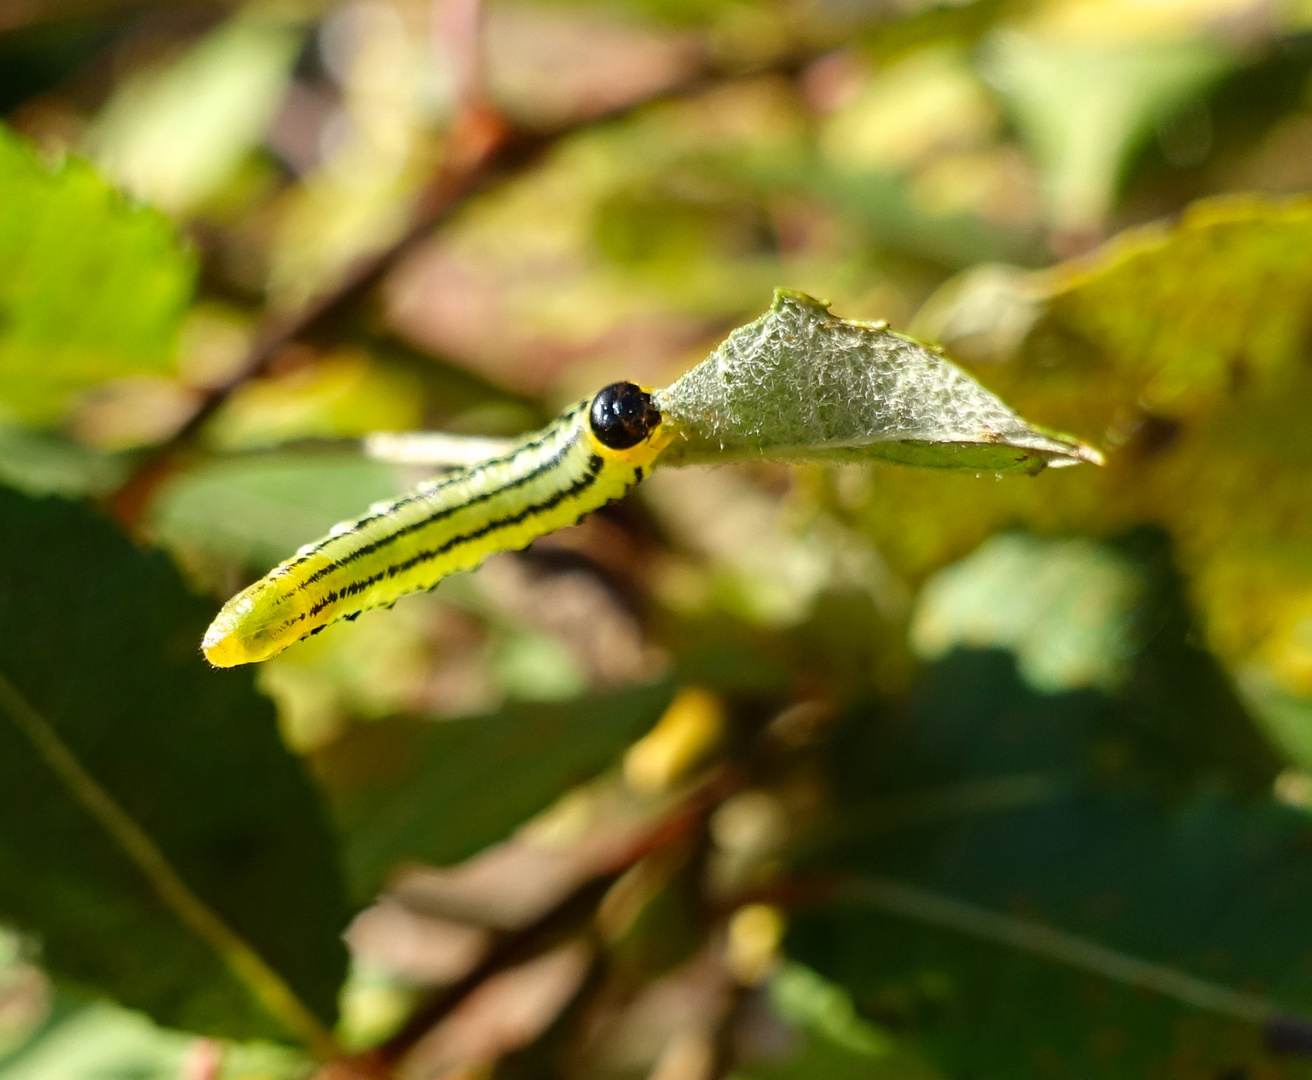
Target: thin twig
565,917
724,1054
569,915
483,152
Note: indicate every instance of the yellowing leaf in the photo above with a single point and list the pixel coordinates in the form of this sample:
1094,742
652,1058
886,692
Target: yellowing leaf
1193,308
1187,344
341,396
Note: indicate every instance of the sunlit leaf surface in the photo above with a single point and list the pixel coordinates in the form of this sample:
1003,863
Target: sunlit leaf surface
174,134
93,289
800,384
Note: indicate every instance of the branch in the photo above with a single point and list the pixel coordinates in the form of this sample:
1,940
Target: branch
568,916
483,152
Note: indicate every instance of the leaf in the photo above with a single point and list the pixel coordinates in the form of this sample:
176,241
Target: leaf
1064,607
257,510
1085,104
101,1041
1241,312
93,288
807,999
342,395
173,134
799,384
1186,343
154,832
945,800
438,792
44,464
977,1009
816,1059
830,1039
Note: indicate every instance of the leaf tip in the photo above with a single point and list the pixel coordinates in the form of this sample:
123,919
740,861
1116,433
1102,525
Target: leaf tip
1077,453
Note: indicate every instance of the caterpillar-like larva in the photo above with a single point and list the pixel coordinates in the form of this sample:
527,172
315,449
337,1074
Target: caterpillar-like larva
594,453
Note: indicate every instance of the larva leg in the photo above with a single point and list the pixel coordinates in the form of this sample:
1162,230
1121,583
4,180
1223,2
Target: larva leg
593,454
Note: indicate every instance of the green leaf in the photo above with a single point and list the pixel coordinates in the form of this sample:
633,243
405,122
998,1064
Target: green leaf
154,832
171,135
817,1059
41,463
831,1039
800,384
1064,607
1186,342
978,1009
440,791
811,1001
92,289
1085,105
945,801
257,510
101,1041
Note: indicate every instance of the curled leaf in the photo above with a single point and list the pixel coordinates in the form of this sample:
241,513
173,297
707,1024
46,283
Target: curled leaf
800,384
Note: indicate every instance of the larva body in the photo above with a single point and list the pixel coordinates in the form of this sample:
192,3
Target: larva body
586,459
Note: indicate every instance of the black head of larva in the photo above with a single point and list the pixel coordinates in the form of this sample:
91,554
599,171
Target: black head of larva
623,415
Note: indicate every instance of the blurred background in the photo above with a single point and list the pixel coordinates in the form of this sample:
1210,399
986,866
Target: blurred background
765,772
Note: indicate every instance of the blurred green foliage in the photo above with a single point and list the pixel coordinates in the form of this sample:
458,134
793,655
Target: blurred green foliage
822,770
94,288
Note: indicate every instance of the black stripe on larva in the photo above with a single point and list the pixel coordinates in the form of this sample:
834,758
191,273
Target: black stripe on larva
578,487
354,588
345,592
437,515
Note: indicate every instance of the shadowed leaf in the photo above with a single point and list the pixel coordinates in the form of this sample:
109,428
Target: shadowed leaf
106,698
438,792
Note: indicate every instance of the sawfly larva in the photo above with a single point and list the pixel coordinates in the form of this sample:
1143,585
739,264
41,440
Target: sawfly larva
594,453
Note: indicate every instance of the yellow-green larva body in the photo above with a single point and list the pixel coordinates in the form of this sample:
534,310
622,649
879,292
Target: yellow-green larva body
549,480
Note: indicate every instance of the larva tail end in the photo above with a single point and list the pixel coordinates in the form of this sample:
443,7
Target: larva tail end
259,622
222,645
233,639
